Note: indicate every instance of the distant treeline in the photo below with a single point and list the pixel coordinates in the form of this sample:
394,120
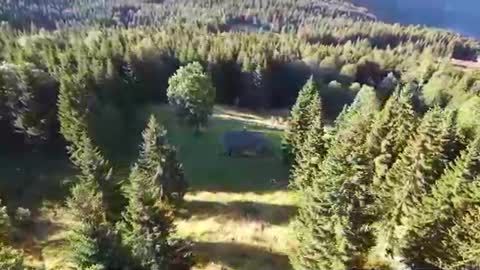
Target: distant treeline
326,21
123,67
118,68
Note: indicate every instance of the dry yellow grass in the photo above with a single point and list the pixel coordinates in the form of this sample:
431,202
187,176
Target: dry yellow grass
229,231
241,231
48,248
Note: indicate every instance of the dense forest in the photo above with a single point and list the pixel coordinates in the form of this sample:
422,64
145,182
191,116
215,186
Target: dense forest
381,141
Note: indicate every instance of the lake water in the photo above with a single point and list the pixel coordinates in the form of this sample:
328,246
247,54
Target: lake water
462,16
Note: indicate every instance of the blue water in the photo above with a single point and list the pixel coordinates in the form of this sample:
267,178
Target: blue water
462,16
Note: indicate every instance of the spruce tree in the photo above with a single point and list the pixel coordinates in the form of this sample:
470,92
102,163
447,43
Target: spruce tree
414,173
72,109
89,238
312,151
464,237
93,241
158,160
333,224
365,102
445,230
299,121
88,158
148,219
392,129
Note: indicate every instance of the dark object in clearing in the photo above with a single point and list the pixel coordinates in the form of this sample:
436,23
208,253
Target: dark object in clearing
245,143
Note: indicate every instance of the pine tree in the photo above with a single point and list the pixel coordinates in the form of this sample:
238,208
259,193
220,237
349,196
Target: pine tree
148,220
93,241
158,159
72,106
335,213
87,239
391,131
397,119
443,229
464,237
312,151
89,159
366,102
300,121
414,173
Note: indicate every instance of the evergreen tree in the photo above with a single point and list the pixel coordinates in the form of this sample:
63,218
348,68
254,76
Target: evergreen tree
93,241
89,160
256,95
158,160
464,237
148,220
391,131
312,151
415,171
445,230
192,94
89,238
72,110
300,121
333,224
365,102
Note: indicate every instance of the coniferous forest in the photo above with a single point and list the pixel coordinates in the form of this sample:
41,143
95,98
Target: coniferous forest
127,129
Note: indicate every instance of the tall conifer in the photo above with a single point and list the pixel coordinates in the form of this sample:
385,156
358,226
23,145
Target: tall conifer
443,232
415,172
312,151
333,224
148,219
299,121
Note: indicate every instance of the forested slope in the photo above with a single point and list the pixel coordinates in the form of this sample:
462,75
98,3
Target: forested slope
397,124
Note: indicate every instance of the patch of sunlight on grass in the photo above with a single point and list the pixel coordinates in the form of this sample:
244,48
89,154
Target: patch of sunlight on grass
239,230
50,233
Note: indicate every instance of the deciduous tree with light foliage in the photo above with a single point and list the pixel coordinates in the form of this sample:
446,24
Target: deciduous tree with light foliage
192,94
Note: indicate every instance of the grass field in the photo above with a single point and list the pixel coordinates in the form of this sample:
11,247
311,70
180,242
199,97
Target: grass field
237,213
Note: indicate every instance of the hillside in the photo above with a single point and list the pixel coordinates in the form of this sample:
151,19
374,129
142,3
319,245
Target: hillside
237,135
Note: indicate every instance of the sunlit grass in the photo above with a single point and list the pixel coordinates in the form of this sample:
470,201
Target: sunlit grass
239,230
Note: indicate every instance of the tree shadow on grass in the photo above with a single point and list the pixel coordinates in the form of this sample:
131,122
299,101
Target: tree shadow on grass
31,179
240,256
241,210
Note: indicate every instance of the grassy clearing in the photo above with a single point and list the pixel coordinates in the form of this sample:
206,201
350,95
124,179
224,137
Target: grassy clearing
237,213
207,168
239,230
